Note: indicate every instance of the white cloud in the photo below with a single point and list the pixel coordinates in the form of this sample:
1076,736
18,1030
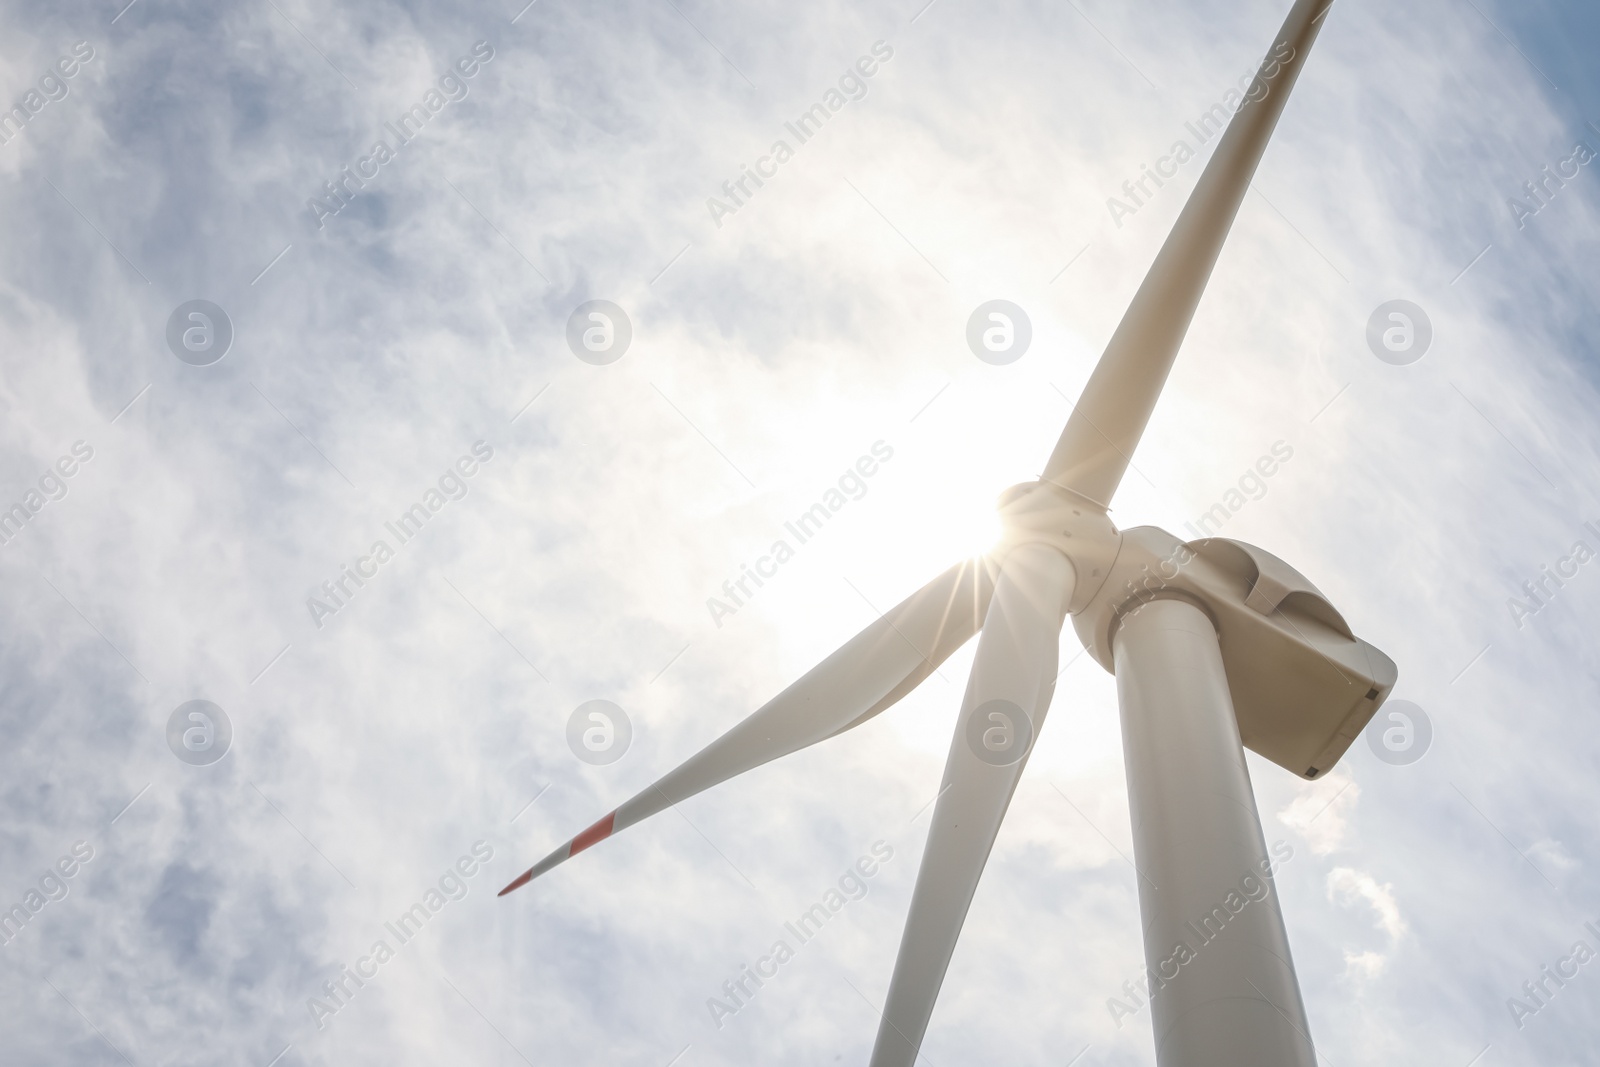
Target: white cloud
1321,813
1348,888
1554,856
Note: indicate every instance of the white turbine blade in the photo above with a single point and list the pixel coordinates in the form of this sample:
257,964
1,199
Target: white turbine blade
867,674
1104,429
1013,676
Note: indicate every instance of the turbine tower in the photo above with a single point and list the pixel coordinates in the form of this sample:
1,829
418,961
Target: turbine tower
1216,646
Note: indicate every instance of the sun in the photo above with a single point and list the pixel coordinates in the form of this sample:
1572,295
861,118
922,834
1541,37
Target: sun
977,531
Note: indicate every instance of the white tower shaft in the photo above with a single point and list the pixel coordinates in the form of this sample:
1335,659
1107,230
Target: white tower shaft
1223,986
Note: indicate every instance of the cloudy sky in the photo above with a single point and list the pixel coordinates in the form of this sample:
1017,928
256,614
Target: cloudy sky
189,155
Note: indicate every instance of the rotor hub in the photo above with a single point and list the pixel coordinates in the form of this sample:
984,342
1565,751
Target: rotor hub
1044,513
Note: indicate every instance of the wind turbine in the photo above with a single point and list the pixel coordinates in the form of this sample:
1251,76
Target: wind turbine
1216,645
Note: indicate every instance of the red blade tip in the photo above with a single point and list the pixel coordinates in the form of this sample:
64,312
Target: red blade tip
527,876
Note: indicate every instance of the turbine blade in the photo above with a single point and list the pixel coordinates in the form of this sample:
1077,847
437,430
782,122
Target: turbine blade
1104,429
1013,679
867,674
